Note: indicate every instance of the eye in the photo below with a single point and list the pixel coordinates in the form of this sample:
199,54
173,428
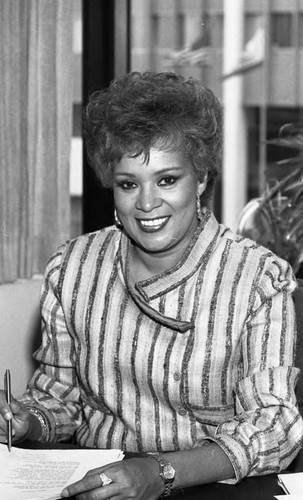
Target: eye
126,185
168,180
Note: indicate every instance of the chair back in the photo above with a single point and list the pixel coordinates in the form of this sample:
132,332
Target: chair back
19,330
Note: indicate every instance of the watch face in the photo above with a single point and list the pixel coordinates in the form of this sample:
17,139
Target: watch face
168,471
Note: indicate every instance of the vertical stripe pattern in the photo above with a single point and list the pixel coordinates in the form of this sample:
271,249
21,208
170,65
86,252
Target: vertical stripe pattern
202,351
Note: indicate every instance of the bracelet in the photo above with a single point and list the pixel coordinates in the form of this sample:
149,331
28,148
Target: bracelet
43,423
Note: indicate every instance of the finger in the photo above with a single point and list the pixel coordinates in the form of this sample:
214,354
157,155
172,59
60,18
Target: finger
9,410
15,412
19,411
5,410
87,483
97,494
19,418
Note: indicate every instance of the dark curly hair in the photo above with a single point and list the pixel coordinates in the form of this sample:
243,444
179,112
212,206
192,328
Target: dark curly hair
163,110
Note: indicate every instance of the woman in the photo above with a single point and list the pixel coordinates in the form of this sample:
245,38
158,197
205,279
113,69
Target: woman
167,333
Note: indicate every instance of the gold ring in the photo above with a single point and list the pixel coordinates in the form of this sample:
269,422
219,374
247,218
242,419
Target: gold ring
105,479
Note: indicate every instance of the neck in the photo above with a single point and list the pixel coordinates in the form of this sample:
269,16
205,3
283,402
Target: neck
144,265
151,264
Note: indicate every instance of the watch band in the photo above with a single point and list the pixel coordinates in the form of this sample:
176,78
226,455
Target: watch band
166,472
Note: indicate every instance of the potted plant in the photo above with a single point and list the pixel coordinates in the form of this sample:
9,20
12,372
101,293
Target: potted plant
275,219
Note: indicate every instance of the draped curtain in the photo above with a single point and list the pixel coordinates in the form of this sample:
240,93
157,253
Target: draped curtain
35,132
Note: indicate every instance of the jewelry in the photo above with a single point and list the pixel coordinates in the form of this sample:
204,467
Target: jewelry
166,472
198,205
105,479
43,423
117,221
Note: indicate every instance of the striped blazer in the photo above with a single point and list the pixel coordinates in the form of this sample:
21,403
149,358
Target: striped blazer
202,351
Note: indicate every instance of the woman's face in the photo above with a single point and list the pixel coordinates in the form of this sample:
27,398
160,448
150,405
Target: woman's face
156,201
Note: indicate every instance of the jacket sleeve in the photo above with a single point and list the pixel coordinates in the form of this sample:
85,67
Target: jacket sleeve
54,389
266,433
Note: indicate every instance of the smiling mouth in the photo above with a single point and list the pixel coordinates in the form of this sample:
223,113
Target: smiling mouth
150,225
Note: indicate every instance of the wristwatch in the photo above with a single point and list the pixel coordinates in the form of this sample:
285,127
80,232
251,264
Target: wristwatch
166,472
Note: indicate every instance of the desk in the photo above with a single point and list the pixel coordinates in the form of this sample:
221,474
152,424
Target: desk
252,488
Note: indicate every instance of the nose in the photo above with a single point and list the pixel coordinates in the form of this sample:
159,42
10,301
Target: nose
148,199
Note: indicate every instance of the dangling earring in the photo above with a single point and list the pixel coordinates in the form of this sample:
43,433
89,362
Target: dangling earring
117,221
198,208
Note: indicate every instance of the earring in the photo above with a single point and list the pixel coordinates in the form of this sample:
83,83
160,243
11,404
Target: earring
198,208
117,221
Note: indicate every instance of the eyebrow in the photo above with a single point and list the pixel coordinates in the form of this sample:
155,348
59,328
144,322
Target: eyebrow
158,172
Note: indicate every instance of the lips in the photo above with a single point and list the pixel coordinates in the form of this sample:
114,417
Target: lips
152,225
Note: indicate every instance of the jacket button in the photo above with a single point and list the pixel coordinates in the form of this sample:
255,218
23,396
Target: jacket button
177,376
182,412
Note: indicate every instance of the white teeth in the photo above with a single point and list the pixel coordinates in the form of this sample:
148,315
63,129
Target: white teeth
153,223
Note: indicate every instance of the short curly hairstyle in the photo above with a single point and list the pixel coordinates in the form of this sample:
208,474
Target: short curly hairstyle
164,110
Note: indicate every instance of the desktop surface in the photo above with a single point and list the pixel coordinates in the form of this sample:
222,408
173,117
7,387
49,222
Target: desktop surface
251,488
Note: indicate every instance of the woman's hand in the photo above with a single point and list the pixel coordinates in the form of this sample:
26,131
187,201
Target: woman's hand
19,415
131,478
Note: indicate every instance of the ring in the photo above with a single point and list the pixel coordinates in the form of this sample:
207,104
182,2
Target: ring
105,479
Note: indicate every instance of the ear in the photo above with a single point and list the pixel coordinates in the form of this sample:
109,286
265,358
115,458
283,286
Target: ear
202,185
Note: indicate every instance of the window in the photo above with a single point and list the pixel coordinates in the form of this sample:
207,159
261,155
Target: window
154,29
300,41
252,23
281,30
180,35
216,30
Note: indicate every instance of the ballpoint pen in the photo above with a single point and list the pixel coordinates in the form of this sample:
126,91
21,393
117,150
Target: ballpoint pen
7,385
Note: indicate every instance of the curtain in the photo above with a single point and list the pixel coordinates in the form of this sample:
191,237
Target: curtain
35,132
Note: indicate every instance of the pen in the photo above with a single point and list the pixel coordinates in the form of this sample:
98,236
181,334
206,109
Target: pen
7,385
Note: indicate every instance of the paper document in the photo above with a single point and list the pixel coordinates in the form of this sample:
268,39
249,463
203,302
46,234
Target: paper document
291,483
289,497
42,474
